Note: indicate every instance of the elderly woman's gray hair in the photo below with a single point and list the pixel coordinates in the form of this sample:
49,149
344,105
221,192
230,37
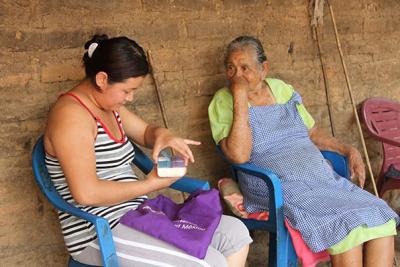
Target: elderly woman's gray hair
242,42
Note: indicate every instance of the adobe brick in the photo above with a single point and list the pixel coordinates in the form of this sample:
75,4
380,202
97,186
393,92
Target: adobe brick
36,40
58,72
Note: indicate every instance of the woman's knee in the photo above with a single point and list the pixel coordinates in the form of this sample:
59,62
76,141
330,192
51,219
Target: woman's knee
352,257
215,258
381,245
230,236
235,227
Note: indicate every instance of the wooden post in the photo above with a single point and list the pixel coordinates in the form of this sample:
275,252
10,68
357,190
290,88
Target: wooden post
352,101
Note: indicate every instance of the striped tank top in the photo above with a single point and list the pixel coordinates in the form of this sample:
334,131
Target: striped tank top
113,163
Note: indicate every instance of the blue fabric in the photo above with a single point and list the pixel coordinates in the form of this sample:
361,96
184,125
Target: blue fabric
319,203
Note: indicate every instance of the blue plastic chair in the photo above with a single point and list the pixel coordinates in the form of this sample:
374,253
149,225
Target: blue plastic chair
281,251
107,248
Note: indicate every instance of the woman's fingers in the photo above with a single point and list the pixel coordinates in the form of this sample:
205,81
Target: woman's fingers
187,149
156,151
191,142
181,146
361,177
357,171
361,181
185,152
357,167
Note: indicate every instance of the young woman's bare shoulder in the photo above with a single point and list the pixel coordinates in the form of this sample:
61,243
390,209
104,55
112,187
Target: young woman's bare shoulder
68,108
68,114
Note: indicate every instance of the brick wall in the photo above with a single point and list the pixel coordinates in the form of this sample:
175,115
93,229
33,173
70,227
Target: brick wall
41,43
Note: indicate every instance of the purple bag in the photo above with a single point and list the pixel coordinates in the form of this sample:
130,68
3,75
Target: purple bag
189,226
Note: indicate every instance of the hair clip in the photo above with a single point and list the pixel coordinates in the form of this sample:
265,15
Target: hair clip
91,49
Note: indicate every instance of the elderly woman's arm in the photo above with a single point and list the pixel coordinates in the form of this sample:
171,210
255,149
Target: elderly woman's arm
237,145
326,142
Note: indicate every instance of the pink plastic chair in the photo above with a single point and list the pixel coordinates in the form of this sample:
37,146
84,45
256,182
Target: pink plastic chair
382,118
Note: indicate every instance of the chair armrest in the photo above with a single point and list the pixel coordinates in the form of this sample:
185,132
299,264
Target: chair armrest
273,184
104,235
339,163
386,140
105,239
272,180
189,185
389,141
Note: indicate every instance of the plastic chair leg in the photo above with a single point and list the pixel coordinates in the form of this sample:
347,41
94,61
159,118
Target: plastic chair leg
291,254
272,253
281,251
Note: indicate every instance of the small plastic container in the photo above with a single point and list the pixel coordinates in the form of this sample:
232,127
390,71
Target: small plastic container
170,166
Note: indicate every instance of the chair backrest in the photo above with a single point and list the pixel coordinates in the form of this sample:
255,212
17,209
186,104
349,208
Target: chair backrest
382,120
339,163
43,179
141,160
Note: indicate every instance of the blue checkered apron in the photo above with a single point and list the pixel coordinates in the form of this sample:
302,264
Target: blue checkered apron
322,205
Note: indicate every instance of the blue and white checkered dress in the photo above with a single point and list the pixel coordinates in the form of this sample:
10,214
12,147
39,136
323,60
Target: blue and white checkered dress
322,205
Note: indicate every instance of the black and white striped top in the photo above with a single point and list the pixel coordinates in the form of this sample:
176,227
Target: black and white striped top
113,163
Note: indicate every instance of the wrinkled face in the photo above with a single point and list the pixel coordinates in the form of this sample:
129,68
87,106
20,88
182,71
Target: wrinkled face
243,63
118,94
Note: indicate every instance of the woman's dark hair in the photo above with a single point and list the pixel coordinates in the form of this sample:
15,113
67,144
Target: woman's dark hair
120,57
242,42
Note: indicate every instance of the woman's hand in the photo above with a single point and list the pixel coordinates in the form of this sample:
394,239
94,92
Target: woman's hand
357,167
160,182
325,142
238,84
180,145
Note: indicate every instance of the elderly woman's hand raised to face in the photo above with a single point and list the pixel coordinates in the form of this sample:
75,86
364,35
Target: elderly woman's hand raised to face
238,84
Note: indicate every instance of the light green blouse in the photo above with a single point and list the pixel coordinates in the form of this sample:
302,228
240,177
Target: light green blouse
220,110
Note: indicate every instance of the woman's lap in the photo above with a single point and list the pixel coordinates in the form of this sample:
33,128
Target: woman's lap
363,234
138,249
230,236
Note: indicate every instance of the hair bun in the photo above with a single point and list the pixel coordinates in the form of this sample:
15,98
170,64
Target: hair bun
96,39
120,57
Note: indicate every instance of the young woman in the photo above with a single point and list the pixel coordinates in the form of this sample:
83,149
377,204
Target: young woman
88,156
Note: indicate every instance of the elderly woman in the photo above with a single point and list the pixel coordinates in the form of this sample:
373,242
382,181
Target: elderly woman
263,121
